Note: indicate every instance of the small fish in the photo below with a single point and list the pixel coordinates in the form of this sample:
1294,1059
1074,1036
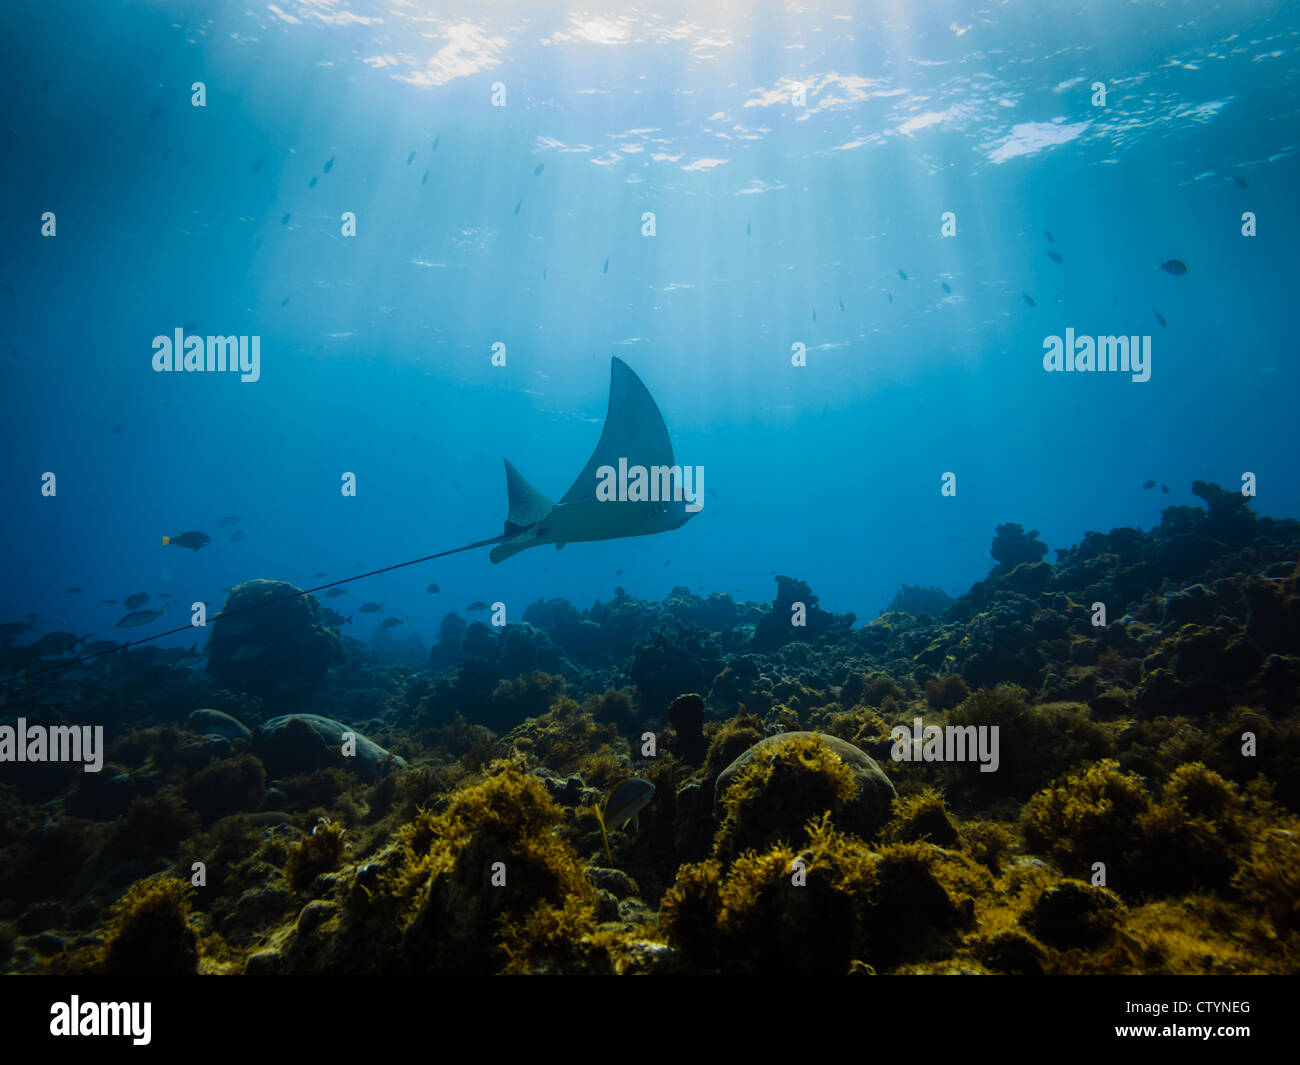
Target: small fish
285,220
1159,317
424,178
228,520
133,601
537,170
1029,299
248,652
1164,488
435,141
192,540
1174,266
891,297
944,286
284,302
1050,239
236,536
477,605
334,618
617,572
371,608
165,595
334,593
1241,181
433,589
116,429
1148,484
623,803
112,602
329,165
71,591
668,562
543,273
139,617
410,159
518,205
1055,256
155,112
841,306
312,183
902,275
320,574
392,623
606,270
746,229
814,316
257,166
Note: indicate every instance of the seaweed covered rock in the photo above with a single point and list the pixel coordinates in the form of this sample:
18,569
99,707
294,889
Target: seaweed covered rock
913,599
779,626
1012,546
675,659
770,792
833,906
151,935
278,652
303,743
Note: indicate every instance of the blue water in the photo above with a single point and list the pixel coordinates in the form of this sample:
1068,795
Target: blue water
766,214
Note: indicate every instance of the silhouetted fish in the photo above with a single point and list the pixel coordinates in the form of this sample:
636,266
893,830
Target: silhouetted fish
1050,239
902,275
1055,256
111,601
841,305
944,286
410,159
285,220
228,520
392,623
71,591
425,178
284,302
1148,484
192,540
1159,317
891,297
116,429
139,617
329,165
1241,181
518,205
1029,299
1164,488
746,229
537,170
371,608
236,536
334,593
814,316
433,589
257,166
1174,266
312,183
435,141
606,270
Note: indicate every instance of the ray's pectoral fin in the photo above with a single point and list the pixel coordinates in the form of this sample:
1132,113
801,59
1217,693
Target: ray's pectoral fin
634,430
527,508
